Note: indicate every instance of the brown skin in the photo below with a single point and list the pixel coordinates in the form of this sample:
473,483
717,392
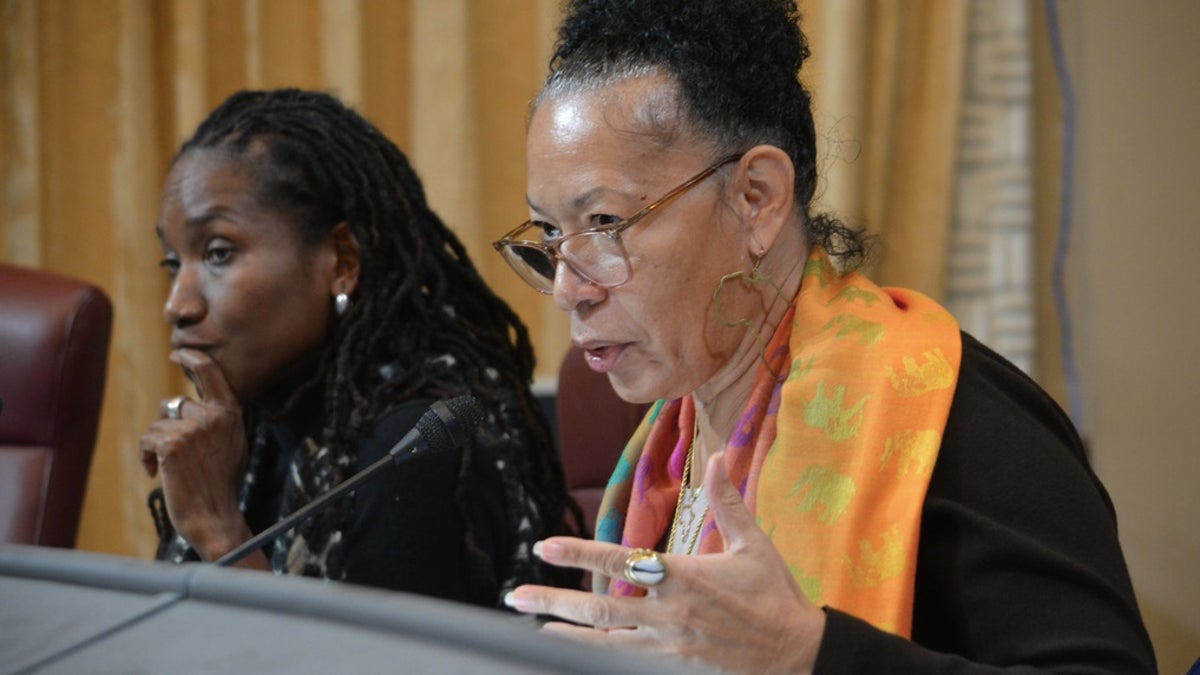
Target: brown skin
587,166
200,459
740,609
250,306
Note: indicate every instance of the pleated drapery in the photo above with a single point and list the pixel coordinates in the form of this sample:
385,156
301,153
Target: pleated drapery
98,95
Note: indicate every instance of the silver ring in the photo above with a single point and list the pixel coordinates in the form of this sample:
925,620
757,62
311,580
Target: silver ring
174,407
645,568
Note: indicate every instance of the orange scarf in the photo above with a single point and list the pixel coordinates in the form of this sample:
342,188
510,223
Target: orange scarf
833,457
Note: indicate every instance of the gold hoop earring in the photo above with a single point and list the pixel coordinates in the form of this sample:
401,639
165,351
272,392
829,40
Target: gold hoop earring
751,281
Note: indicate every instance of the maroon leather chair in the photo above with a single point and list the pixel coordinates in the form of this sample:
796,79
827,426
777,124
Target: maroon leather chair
54,334
593,426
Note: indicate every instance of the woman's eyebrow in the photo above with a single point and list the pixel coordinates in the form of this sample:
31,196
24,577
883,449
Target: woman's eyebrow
192,223
587,197
580,201
209,215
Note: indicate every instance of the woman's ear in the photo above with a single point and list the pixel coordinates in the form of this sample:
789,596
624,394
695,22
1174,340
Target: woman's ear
346,264
766,195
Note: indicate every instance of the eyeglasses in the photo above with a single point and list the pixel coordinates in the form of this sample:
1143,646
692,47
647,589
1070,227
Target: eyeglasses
596,254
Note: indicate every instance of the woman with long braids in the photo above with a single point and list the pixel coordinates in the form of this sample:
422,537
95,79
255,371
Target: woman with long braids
319,306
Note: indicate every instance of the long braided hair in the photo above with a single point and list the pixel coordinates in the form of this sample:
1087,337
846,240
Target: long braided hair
422,322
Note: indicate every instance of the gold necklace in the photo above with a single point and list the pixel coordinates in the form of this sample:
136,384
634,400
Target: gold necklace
685,484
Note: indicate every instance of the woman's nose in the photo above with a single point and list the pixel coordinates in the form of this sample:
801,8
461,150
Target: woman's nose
572,290
185,302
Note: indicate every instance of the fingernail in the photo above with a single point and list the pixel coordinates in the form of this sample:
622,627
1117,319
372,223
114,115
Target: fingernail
547,550
520,604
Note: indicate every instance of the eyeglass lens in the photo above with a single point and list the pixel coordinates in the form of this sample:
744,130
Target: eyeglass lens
595,255
535,261
598,256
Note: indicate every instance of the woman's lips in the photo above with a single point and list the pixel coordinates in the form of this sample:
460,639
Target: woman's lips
177,344
603,358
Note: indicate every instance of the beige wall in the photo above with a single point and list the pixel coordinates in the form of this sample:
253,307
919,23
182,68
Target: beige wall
1136,294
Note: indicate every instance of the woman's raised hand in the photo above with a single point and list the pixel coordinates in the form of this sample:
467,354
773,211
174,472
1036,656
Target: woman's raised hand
199,449
740,610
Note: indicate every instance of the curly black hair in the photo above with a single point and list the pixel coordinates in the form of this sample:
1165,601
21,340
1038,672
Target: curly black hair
423,323
736,65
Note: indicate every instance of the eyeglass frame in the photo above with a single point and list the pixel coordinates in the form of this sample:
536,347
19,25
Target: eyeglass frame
553,249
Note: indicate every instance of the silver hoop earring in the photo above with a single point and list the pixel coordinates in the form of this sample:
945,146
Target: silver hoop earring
341,303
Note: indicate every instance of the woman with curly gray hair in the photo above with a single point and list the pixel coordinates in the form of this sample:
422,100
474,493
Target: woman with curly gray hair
832,477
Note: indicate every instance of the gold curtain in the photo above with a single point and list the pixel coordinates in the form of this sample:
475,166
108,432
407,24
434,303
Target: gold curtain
98,94
887,81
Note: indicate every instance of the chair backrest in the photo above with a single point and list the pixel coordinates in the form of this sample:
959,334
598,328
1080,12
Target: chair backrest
593,426
54,335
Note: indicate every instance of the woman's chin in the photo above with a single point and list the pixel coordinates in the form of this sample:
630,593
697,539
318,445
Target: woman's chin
635,387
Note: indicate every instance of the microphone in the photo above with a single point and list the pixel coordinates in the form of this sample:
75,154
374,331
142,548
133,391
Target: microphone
443,427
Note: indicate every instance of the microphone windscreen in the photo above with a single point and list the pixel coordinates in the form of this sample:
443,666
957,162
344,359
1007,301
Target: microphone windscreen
447,424
466,414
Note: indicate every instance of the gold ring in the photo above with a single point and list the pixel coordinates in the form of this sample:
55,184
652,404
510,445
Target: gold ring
174,407
645,568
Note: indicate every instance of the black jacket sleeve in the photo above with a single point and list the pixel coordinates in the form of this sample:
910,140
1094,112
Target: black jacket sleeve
1019,568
